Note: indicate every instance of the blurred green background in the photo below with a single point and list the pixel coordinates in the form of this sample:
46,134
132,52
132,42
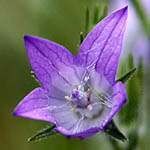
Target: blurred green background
61,21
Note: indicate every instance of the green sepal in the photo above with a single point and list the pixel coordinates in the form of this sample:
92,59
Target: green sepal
81,37
34,77
44,133
112,130
127,76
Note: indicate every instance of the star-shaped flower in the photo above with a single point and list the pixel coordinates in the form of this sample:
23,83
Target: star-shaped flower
78,93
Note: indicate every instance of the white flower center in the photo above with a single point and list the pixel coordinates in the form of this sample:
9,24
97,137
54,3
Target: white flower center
87,101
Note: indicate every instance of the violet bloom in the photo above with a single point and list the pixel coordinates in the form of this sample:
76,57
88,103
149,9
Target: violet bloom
79,93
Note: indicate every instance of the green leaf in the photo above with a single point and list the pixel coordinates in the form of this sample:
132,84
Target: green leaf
112,130
87,16
140,70
96,17
127,76
130,61
104,14
46,132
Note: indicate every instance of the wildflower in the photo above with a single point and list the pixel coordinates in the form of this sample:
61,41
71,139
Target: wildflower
78,93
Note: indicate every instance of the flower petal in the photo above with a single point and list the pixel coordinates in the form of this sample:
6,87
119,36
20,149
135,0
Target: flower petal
82,135
38,105
118,100
102,47
34,106
65,118
51,63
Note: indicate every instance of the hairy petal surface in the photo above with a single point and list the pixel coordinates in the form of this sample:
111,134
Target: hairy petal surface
102,47
51,63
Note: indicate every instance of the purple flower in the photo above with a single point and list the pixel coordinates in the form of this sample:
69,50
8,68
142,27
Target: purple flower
79,93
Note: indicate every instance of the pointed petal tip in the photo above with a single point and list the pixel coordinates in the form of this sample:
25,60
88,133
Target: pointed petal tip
28,37
125,8
31,37
29,40
15,111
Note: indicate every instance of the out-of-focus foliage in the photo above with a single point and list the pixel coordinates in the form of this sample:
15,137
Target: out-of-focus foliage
62,21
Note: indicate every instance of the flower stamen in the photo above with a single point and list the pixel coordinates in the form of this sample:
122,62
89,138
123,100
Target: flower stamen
89,94
76,87
68,98
89,107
